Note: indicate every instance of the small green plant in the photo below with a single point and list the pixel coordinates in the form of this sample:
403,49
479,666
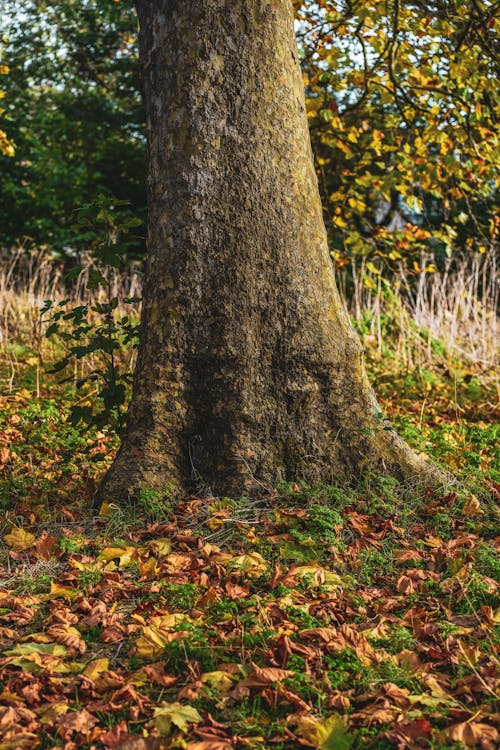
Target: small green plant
89,578
156,505
97,332
194,647
32,582
181,597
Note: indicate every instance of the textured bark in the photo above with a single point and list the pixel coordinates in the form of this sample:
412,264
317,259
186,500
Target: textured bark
248,368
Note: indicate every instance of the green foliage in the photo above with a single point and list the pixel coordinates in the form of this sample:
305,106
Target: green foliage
402,106
156,506
74,111
86,330
401,100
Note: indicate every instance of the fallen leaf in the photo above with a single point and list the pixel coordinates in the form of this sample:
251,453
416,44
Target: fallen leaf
19,539
175,714
472,506
236,592
330,734
45,545
220,681
76,722
471,733
94,668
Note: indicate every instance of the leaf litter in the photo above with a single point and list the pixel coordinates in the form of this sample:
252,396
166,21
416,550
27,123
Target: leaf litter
310,617
160,638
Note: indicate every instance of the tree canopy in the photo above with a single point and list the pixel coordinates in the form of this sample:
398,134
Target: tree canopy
73,109
402,101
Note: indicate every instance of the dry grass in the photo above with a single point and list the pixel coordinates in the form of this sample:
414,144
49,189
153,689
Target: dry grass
449,313
27,280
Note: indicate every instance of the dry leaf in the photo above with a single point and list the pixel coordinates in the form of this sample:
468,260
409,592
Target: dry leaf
471,733
175,714
19,539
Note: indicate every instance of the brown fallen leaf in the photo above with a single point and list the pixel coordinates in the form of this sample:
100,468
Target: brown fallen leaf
21,740
234,591
265,676
473,733
77,722
67,636
45,545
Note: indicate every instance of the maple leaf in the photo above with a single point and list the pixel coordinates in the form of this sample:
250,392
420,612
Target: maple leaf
175,714
19,539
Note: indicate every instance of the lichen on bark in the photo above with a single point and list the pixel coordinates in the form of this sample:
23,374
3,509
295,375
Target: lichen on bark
248,370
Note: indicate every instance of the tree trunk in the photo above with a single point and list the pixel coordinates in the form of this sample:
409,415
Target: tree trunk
248,370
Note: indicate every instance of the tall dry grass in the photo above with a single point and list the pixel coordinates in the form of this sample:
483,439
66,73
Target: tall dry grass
450,312
447,314
27,280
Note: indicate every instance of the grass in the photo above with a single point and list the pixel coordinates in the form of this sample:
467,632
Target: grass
379,604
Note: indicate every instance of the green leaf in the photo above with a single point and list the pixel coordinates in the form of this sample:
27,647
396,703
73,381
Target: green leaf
332,734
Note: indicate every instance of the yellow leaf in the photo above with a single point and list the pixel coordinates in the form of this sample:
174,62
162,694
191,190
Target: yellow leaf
177,715
23,649
148,569
57,591
330,734
161,546
95,668
52,713
217,680
373,268
106,510
125,556
472,506
19,539
159,632
253,564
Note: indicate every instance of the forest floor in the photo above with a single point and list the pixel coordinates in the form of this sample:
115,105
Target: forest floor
314,617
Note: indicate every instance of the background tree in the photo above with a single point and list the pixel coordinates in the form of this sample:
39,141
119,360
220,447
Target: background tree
248,367
403,108
75,114
402,104
6,147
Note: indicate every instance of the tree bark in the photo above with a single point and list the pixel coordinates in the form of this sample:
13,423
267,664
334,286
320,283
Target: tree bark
248,369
